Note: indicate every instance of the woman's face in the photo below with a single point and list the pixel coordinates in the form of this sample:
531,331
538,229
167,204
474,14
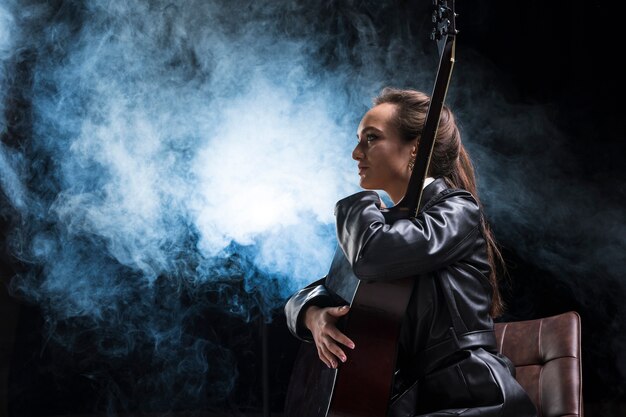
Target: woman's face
383,156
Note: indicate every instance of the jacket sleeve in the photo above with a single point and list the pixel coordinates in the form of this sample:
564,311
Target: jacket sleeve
314,294
440,235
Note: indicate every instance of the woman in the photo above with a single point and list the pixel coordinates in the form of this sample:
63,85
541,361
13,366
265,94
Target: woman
447,361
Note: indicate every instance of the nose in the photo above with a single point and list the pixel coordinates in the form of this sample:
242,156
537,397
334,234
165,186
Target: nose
357,153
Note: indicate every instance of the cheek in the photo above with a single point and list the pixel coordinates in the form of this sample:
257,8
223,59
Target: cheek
389,161
397,163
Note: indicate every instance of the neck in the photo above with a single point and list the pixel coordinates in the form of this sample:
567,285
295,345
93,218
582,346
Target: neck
396,195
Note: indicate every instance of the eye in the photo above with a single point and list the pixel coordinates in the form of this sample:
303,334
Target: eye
368,137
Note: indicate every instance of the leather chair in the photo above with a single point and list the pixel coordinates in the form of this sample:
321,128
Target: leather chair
546,355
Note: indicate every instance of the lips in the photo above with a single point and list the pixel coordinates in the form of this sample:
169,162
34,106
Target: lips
362,169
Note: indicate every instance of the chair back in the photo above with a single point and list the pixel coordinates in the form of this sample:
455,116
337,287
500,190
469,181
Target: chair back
546,355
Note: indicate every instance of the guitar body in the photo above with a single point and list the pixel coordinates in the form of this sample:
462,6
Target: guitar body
364,382
362,385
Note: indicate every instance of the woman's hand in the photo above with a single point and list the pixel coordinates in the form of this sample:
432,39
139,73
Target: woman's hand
321,323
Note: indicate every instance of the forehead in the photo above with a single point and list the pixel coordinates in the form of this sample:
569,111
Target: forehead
379,117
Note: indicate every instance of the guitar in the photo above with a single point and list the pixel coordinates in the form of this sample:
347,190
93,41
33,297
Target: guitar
361,387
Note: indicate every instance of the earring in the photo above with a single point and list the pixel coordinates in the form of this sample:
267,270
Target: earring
411,164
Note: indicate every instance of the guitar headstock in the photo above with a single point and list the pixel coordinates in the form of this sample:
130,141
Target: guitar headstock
444,20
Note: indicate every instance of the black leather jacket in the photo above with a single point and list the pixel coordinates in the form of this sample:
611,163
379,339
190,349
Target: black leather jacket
447,331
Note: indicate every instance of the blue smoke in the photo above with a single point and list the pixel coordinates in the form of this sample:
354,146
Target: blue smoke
182,162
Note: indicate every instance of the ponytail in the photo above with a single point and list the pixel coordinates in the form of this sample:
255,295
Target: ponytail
450,161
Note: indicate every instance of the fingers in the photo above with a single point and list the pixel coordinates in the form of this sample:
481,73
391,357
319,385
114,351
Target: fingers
331,354
341,338
327,337
327,357
335,351
329,350
324,358
338,311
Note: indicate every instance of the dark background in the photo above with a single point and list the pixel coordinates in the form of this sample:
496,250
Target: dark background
559,55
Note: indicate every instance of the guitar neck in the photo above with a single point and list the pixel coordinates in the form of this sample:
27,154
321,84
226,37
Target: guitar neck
409,205
445,34
413,195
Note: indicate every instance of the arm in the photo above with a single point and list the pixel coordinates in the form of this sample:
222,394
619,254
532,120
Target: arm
440,235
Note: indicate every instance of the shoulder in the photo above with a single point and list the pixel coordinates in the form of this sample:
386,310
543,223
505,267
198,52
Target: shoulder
455,203
438,192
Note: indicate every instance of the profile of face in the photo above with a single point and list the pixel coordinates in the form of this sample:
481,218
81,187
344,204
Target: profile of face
382,155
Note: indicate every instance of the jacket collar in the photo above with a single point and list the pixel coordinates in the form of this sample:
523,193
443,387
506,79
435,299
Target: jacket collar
432,190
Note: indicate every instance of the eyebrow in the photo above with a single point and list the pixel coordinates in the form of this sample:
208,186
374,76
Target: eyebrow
368,128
